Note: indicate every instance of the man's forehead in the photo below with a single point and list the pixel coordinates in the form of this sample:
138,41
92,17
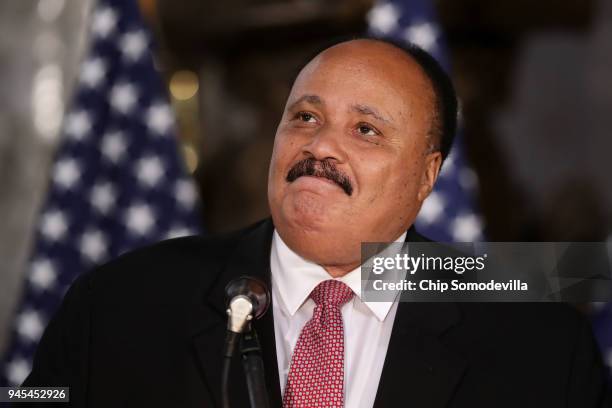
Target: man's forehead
365,60
361,54
364,47
382,73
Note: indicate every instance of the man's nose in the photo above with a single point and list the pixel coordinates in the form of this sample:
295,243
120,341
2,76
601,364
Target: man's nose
326,143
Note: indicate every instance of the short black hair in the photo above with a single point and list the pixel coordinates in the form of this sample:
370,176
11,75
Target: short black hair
444,123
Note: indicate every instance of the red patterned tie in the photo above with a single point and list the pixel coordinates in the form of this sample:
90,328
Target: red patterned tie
316,376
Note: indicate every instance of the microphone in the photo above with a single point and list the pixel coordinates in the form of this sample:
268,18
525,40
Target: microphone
247,298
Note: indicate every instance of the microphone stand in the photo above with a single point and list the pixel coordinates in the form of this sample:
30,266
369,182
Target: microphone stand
247,299
253,366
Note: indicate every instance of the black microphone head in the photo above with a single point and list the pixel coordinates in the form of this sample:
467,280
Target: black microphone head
253,288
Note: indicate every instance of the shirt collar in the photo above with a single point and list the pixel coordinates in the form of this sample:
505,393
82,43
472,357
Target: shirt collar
296,277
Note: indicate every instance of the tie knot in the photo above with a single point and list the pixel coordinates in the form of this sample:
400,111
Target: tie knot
332,292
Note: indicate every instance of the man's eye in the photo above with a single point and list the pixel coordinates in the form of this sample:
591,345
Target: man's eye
306,117
366,130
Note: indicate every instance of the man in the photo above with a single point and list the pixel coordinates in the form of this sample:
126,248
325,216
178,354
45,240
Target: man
359,147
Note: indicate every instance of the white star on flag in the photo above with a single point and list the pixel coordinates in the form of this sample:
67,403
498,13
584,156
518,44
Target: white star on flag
149,171
185,193
159,118
42,274
383,18
93,245
78,125
103,197
123,97
104,22
113,147
17,370
468,178
133,45
432,208
92,72
30,325
53,225
466,228
66,173
422,34
139,219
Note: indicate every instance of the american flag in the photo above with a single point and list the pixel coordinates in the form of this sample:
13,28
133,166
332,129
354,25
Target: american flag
450,212
118,181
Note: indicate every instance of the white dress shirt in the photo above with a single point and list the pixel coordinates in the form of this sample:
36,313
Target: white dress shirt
367,325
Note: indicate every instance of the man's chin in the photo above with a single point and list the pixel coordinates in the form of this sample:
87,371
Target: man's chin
311,211
322,246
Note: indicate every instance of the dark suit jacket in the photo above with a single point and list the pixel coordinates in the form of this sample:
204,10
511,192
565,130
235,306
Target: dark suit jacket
147,330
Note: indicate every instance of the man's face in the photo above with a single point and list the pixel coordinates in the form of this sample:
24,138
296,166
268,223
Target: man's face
352,161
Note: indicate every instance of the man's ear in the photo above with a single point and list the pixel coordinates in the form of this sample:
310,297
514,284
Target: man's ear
433,162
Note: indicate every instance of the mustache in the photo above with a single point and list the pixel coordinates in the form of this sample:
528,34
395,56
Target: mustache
326,169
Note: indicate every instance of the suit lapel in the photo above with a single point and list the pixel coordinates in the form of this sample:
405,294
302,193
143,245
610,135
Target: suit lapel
419,370
251,256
